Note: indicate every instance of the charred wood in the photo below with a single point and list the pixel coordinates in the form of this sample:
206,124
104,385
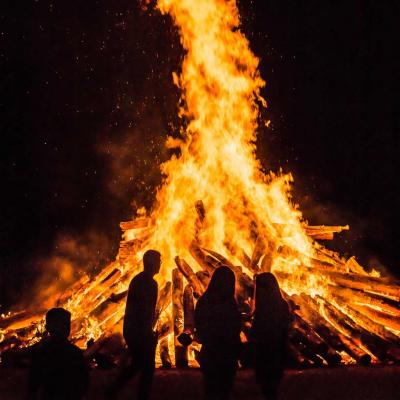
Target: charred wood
190,276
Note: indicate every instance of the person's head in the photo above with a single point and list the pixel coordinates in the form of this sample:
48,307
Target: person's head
267,290
152,262
58,323
222,284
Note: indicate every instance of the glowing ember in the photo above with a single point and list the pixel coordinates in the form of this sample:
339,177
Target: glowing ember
216,205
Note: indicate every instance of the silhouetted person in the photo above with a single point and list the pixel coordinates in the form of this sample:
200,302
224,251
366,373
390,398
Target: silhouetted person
217,322
58,370
138,331
269,334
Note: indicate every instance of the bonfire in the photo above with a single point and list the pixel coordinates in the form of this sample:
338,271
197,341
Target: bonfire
217,206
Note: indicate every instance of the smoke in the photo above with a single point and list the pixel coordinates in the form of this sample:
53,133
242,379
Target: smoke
72,258
319,206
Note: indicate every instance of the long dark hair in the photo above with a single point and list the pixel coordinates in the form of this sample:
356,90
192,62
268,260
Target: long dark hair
217,318
271,310
221,286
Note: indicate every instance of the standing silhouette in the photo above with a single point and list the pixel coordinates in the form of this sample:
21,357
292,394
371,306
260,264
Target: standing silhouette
269,334
58,370
138,327
217,322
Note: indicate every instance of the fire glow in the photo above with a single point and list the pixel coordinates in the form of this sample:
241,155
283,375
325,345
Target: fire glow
216,206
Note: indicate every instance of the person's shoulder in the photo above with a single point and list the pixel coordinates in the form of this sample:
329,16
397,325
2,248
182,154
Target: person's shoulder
72,349
136,279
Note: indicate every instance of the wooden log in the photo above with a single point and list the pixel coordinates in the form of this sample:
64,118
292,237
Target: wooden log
296,358
163,301
329,256
316,343
164,353
207,263
361,319
259,250
198,226
204,277
181,359
242,278
135,224
354,267
328,331
303,344
385,287
324,232
188,310
240,254
190,276
383,305
381,319
372,345
164,327
266,263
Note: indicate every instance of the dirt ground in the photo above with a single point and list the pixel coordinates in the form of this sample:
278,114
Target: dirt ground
349,383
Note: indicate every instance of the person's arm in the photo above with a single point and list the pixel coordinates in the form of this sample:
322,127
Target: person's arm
153,302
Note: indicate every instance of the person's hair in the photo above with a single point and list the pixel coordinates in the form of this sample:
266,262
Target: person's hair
58,322
267,292
151,261
222,284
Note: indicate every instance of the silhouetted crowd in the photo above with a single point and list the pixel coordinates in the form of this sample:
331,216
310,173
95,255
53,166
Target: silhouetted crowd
59,370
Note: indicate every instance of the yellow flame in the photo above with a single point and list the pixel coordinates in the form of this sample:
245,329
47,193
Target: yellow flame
220,86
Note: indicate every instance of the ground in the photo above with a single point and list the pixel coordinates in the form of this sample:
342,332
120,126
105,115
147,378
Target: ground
349,383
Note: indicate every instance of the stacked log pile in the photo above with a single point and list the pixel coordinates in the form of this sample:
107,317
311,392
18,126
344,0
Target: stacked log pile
359,322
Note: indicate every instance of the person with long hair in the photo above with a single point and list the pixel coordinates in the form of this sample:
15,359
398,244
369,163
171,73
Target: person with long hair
217,322
269,334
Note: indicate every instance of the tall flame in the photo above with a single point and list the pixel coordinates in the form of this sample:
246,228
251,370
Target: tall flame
220,85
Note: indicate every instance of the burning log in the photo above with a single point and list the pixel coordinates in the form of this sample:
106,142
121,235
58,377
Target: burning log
188,309
296,358
323,232
363,321
374,346
164,328
201,214
163,301
332,336
137,223
190,276
266,263
204,277
201,258
164,353
329,256
245,282
259,249
383,305
178,318
314,342
384,287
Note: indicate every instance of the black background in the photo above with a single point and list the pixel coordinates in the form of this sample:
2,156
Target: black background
87,100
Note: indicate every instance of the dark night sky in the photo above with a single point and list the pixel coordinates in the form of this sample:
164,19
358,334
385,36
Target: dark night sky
87,99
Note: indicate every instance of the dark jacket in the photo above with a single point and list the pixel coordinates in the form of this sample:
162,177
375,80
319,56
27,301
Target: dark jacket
140,309
58,371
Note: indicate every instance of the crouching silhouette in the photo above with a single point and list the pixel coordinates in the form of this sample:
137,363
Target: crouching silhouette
58,369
